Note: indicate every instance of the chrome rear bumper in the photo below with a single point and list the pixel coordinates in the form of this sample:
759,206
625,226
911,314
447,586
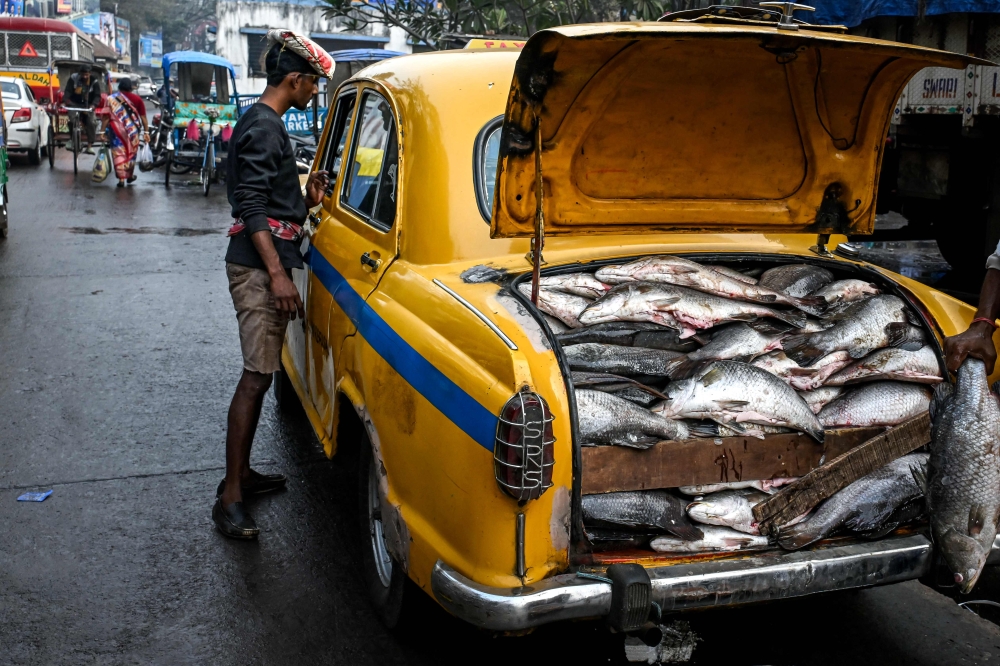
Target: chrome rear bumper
760,577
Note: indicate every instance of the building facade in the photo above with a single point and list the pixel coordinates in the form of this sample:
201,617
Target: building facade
243,24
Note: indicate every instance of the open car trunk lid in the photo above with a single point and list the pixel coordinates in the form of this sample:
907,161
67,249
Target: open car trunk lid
684,127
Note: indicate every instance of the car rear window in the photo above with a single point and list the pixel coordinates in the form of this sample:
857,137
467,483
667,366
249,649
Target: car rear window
486,156
10,90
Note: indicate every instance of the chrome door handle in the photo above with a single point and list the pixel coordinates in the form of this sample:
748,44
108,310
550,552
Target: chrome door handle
367,260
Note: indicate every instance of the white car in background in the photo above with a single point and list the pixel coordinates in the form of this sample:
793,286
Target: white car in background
145,88
28,127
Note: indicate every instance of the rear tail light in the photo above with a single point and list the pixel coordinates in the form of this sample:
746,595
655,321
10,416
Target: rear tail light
21,115
523,452
156,119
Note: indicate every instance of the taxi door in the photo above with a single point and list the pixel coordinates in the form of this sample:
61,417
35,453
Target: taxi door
355,239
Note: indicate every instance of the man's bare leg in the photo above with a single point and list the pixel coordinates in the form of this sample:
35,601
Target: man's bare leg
244,412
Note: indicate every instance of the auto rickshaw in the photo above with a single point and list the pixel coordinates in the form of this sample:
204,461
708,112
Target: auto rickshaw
67,129
204,113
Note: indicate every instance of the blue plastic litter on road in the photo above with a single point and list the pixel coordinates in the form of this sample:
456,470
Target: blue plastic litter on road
34,497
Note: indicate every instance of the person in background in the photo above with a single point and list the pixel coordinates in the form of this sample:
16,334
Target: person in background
83,90
127,114
262,181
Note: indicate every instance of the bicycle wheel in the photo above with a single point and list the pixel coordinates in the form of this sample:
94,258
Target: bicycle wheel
170,164
208,168
76,147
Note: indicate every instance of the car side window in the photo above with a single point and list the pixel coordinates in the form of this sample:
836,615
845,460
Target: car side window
338,134
31,95
485,157
370,187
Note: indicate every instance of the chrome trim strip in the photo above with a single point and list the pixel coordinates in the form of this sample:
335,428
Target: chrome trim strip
482,317
758,577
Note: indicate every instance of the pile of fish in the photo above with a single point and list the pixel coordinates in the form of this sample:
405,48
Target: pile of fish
665,348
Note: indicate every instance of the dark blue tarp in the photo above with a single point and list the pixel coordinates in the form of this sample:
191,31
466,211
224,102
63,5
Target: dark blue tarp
853,12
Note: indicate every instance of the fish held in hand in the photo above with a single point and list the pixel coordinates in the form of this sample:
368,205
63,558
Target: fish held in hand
686,273
579,284
963,497
846,291
607,419
614,359
564,307
869,506
796,280
734,393
866,328
919,366
647,509
876,404
629,334
686,310
739,342
717,539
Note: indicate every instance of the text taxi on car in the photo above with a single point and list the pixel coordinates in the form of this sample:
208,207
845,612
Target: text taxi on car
728,136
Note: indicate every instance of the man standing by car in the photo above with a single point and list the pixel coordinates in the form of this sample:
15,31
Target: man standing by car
977,340
263,185
83,90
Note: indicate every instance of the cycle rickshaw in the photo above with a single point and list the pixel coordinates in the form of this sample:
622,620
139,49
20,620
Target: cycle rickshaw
204,113
66,124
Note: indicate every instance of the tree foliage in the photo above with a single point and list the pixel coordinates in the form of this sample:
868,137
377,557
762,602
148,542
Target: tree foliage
176,17
432,22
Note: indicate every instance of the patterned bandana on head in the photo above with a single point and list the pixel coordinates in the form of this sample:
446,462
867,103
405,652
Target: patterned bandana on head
320,61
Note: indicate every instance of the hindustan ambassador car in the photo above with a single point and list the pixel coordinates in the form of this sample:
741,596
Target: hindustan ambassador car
732,140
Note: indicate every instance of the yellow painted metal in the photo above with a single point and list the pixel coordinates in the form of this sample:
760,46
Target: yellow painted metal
440,479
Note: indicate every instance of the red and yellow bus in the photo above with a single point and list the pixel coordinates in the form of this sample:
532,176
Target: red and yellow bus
29,46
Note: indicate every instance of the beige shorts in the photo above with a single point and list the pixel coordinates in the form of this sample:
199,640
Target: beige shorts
262,327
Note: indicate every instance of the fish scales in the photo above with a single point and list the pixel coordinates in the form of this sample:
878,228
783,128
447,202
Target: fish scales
919,366
963,497
867,506
649,509
731,393
564,307
868,325
796,280
630,334
737,341
614,359
820,397
885,403
607,419
578,284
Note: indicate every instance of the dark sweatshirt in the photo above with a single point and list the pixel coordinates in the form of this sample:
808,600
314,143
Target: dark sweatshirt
262,181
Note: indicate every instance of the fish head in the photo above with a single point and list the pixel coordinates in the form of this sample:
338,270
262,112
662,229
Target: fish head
607,308
620,273
965,557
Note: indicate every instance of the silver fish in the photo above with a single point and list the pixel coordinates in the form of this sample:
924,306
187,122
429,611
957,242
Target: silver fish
718,539
846,291
608,419
610,383
873,324
708,429
730,392
686,273
647,509
778,364
564,307
733,273
738,341
818,398
630,334
556,325
579,284
963,497
796,280
731,508
869,506
594,357
686,310
919,366
813,376
769,486
876,404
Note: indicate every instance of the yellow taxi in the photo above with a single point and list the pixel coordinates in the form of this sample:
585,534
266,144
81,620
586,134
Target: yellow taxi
718,137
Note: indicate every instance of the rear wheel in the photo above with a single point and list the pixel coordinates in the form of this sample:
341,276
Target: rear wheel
75,141
50,148
208,168
166,172
384,578
4,230
35,155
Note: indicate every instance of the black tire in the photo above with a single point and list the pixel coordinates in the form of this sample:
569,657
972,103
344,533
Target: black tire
384,578
4,228
35,156
75,140
50,148
166,172
208,170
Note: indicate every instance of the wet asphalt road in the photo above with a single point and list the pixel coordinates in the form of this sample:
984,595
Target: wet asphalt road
118,356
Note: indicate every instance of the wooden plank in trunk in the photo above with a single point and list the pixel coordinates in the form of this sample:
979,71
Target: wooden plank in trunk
819,484
699,461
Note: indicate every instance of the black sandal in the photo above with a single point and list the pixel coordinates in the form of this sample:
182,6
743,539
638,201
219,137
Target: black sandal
234,521
259,484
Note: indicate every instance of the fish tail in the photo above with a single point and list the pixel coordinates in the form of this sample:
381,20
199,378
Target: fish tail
798,536
682,367
796,319
896,333
814,305
818,434
799,349
704,429
686,532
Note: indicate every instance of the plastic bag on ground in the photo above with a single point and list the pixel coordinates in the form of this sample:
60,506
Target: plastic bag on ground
102,166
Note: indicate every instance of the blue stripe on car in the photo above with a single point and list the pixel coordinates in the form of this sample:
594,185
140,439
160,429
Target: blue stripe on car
461,408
